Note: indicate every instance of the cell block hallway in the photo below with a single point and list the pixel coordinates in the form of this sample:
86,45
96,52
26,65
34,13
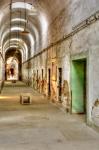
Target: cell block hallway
49,75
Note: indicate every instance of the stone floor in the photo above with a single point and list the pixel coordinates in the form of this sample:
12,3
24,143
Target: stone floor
41,125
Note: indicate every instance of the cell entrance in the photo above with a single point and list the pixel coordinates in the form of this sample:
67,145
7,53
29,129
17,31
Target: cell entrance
49,82
59,83
78,75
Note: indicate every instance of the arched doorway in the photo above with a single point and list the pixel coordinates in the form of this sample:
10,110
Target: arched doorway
13,65
12,71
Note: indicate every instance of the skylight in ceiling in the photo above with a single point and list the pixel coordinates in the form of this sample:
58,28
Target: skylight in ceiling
18,19
21,5
17,29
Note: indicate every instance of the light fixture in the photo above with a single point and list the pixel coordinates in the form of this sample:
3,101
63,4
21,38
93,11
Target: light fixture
17,52
25,31
33,12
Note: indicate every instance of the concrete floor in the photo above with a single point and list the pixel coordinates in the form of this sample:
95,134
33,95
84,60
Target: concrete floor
41,125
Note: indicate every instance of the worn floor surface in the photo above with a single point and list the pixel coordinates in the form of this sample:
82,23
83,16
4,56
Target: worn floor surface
41,125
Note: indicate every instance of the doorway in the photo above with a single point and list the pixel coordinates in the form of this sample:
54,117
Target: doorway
37,79
78,87
42,85
12,69
59,83
49,82
42,74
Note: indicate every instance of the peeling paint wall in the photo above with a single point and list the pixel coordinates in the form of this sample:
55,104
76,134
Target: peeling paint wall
83,43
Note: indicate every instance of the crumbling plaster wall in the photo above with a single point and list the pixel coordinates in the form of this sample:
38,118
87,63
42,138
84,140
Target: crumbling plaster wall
84,42
74,12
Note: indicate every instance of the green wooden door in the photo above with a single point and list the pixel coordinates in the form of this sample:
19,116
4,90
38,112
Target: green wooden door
78,86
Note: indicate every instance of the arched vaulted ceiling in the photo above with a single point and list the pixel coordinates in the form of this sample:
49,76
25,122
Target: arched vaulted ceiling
36,15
